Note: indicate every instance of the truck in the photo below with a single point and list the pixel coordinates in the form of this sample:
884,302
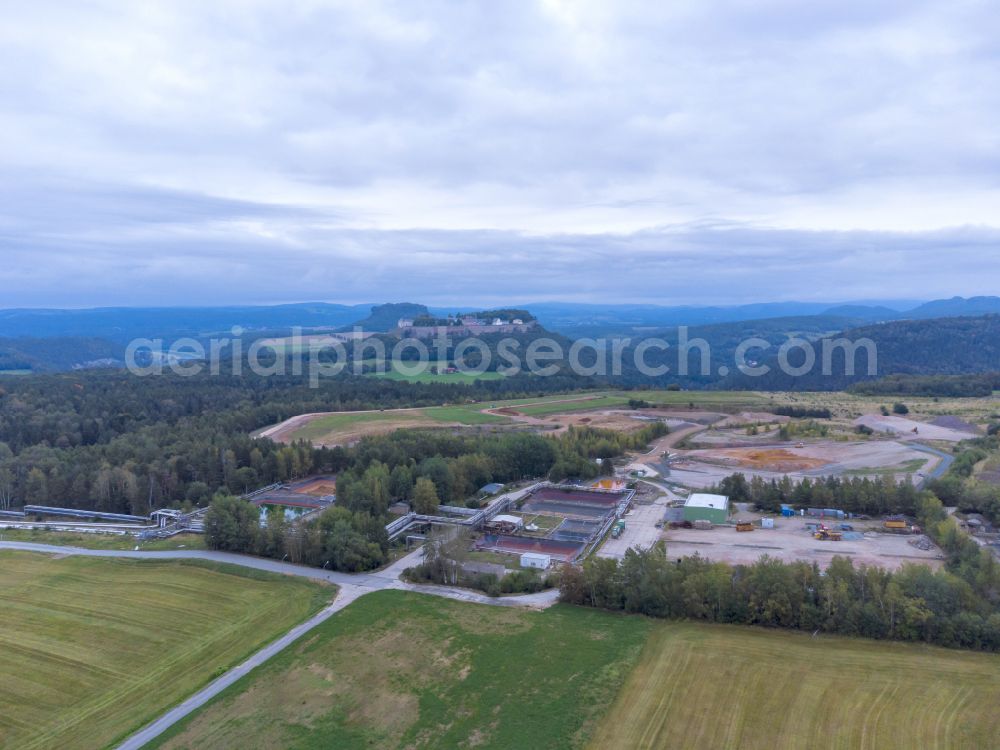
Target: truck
618,528
896,525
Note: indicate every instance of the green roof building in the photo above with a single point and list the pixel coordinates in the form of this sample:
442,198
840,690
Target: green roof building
704,507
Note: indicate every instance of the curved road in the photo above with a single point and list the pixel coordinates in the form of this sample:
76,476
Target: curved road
351,586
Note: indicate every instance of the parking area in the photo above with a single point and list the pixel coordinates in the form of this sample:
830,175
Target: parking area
790,541
640,530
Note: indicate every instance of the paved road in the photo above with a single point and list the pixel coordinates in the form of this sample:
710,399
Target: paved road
943,465
351,586
345,596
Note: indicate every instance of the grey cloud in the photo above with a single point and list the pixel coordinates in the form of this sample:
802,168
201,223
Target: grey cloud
247,151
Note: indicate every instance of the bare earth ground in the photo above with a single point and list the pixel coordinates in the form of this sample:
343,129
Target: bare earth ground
753,417
904,428
708,466
790,541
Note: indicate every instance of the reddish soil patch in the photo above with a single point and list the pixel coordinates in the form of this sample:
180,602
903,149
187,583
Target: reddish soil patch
772,459
318,488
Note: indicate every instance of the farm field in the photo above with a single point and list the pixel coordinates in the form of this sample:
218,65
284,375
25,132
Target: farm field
426,376
89,540
700,686
91,648
397,669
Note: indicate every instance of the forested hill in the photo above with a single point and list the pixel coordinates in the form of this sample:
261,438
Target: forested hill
385,317
943,346
52,354
121,324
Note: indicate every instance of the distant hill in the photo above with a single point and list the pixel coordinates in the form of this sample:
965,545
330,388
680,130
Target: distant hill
55,354
956,306
865,312
942,346
122,324
384,317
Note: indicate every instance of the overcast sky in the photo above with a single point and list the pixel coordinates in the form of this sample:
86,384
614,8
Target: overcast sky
670,152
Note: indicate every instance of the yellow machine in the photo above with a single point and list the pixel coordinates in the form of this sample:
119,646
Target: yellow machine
826,535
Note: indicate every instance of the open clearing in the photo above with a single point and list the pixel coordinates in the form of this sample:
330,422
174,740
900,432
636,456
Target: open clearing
396,669
340,428
608,409
704,687
93,648
417,373
704,467
789,540
908,429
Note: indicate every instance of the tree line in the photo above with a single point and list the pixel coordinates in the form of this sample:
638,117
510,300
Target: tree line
418,466
955,607
961,488
112,441
868,495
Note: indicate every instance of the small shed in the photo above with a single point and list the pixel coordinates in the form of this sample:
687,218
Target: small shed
490,489
535,560
767,523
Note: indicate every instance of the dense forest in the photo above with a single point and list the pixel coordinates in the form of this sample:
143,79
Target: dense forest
57,354
113,441
419,466
956,607
942,346
942,386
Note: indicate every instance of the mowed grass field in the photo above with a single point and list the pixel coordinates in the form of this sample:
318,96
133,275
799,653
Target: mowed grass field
424,375
703,687
346,426
91,649
90,540
403,670
341,427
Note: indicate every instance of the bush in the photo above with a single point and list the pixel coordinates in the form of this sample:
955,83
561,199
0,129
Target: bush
487,583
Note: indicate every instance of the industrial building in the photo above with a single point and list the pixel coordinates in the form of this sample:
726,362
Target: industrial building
535,560
704,507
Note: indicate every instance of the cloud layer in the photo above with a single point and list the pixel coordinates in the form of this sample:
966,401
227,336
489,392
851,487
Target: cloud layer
695,152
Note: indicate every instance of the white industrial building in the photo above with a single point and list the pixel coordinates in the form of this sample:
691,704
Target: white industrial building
535,560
